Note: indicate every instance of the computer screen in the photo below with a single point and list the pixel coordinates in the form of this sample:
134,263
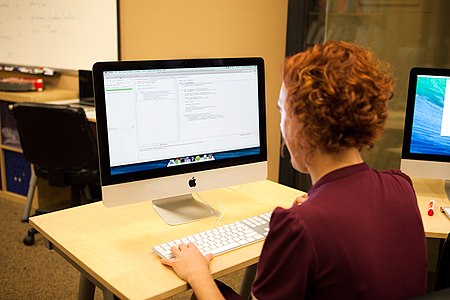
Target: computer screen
86,87
168,129
426,140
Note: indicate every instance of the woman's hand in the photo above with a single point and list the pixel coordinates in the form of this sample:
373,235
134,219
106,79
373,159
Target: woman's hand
191,266
188,262
300,199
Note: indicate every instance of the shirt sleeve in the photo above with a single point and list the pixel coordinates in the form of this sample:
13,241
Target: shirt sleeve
288,261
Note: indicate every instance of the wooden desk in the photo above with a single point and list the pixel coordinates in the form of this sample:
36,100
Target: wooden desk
437,226
112,246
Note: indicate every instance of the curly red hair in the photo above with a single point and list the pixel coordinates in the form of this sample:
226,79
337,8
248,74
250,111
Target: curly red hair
338,92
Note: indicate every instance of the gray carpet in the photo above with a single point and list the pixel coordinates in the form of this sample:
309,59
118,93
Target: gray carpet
34,272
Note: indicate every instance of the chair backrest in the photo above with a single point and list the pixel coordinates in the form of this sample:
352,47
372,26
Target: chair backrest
56,137
443,267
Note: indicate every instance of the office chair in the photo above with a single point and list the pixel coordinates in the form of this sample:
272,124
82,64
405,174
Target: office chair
60,144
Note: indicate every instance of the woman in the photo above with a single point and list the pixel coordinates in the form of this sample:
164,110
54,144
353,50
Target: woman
358,234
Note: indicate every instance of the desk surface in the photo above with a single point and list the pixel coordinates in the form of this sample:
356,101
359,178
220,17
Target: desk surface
438,225
113,245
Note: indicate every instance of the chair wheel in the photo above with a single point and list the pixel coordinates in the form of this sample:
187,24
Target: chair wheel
28,240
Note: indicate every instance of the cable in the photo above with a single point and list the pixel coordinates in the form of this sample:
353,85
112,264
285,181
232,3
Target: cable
236,188
222,213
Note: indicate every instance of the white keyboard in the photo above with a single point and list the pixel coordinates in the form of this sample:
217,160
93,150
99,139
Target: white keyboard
224,238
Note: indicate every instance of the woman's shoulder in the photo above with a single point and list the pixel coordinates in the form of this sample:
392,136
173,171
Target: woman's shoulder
397,176
397,173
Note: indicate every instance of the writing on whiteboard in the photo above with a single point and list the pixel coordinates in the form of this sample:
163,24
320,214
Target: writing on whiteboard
58,34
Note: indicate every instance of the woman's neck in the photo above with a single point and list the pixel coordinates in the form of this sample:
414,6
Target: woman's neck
324,163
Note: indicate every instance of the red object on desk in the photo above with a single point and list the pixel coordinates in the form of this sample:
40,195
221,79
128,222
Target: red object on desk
431,207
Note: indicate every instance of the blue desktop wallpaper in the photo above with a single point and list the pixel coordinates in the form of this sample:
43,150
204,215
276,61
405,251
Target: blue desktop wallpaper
426,130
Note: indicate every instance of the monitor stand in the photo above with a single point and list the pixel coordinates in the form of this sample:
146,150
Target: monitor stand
183,209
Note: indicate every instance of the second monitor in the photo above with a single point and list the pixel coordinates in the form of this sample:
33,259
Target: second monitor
426,138
170,128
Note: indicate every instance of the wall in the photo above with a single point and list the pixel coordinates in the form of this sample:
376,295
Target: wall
161,29
407,33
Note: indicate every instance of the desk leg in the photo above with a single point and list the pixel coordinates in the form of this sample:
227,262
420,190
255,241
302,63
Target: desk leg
86,289
107,295
247,281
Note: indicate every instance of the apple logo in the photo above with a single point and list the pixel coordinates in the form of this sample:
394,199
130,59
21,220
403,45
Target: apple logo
192,182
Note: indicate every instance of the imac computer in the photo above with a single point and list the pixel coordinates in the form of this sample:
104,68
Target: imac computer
168,129
426,139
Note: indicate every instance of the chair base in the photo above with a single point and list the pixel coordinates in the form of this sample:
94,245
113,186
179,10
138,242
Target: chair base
28,240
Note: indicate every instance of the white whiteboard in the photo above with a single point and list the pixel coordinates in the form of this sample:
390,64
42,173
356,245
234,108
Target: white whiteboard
58,34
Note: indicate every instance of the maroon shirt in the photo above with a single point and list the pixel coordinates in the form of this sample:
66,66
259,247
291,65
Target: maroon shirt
359,236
